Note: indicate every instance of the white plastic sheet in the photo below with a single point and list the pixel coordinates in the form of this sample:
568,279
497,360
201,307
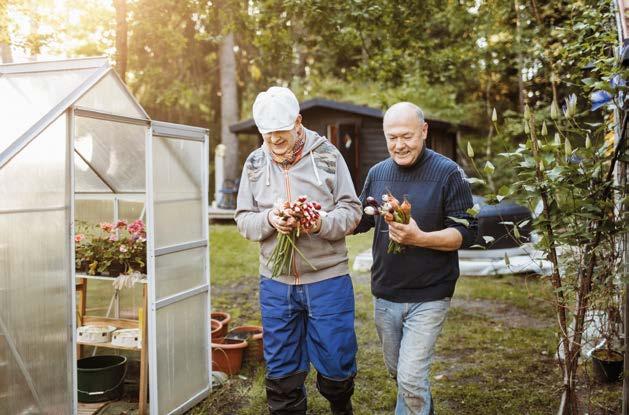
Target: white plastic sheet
524,259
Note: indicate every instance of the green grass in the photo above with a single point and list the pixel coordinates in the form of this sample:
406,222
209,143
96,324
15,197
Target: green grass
494,356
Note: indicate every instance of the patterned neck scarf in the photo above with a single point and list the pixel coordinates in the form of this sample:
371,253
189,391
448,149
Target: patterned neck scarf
294,154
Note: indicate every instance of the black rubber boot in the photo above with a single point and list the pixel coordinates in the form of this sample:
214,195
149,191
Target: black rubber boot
287,395
338,392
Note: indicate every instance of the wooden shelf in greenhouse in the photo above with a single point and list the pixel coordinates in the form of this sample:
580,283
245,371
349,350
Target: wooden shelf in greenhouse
110,346
105,278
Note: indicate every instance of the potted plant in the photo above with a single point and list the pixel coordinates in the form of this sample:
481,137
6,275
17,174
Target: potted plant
113,249
82,247
607,364
607,361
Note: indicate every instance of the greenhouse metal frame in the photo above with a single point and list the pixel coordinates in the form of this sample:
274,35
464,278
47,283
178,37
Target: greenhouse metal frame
74,122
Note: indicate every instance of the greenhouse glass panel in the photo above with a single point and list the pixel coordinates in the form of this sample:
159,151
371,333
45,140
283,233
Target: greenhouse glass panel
100,294
110,95
27,97
131,210
90,212
181,353
34,272
114,150
180,271
32,173
178,182
85,180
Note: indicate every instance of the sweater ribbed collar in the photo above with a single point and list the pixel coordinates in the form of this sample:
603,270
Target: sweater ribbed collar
423,156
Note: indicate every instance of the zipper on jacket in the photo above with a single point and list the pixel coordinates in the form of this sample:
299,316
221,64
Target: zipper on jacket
289,198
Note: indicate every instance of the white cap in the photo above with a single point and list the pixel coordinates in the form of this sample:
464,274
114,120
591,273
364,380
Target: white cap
275,110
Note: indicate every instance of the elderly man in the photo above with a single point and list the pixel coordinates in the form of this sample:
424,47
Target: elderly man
412,290
308,314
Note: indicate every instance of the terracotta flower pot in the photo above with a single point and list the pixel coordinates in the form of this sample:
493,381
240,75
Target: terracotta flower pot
253,336
224,318
227,355
216,329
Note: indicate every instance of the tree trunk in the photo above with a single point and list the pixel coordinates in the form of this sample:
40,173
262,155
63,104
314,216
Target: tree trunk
488,109
518,37
5,53
35,40
5,38
121,38
229,106
623,172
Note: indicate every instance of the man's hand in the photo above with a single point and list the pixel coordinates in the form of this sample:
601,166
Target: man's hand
406,234
282,225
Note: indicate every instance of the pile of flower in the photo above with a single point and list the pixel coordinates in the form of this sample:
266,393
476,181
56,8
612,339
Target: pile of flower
303,216
117,248
392,211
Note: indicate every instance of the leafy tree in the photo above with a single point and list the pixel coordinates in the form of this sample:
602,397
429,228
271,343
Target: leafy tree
566,162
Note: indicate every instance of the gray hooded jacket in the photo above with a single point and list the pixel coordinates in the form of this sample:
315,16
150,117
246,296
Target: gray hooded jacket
322,175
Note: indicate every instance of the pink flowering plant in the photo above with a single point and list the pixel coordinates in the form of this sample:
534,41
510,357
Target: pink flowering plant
83,249
117,248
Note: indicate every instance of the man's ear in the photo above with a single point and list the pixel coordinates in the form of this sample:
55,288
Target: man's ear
298,120
425,130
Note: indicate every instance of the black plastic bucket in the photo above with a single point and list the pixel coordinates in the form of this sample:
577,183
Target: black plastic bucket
609,369
101,378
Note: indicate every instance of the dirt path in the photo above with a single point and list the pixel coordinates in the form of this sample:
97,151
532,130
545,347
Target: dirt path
501,313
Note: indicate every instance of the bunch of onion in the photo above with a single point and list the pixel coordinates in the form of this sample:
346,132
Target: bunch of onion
392,211
303,215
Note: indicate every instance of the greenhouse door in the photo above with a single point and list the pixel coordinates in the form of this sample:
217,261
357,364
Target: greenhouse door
178,267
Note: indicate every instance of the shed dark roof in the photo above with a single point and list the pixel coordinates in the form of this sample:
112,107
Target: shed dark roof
249,126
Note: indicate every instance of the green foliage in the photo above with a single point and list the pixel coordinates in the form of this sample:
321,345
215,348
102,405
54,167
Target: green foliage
570,176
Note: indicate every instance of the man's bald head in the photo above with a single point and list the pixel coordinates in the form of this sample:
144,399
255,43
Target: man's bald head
405,131
404,110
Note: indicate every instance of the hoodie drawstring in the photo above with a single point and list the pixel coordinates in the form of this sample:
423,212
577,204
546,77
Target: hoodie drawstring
268,169
314,167
269,160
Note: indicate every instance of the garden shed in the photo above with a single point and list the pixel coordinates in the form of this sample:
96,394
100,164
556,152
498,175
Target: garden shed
75,145
356,130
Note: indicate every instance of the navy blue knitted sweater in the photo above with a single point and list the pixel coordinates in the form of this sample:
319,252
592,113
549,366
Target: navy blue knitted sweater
436,190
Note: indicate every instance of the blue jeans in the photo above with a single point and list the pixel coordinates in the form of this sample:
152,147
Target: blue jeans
408,333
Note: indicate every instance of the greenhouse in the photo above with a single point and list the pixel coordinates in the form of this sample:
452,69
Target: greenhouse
81,159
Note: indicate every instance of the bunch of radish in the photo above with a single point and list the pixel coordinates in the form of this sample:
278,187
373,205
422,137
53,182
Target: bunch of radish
302,215
392,211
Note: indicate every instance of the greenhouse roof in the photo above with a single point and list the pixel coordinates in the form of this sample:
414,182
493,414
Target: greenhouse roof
37,93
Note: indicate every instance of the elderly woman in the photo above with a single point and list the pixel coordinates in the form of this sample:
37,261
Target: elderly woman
308,313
